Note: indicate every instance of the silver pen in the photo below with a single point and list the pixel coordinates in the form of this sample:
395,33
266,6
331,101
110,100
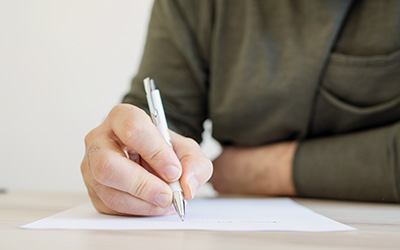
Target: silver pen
158,116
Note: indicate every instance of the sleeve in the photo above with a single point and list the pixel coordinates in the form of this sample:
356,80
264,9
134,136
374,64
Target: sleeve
176,59
361,166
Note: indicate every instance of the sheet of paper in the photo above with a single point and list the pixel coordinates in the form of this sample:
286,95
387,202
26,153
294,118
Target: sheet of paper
217,214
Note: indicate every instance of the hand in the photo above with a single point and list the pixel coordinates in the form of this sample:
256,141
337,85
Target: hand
264,170
127,164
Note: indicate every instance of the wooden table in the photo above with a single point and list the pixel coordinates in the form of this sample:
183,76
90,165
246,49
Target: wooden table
378,228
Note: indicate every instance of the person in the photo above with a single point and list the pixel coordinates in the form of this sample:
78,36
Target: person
304,97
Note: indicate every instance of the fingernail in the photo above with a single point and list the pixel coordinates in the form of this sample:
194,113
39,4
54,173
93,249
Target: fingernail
193,185
163,199
172,172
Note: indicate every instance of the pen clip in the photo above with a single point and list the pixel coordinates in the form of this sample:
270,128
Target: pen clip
154,117
149,87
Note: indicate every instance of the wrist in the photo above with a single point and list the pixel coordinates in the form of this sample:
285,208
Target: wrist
276,169
285,183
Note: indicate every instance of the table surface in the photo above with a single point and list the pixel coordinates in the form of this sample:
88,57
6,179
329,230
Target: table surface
378,227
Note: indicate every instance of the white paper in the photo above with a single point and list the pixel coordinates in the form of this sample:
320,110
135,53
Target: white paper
216,214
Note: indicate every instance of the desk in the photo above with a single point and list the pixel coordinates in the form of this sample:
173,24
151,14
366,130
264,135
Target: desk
378,228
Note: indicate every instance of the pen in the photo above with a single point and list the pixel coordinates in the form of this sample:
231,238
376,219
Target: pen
158,116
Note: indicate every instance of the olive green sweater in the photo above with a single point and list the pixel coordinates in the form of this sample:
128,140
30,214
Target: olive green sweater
326,73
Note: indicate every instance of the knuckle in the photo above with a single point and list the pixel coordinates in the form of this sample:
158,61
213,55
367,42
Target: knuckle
140,188
84,166
102,170
191,143
205,168
133,129
92,149
88,138
156,154
128,132
133,133
205,172
117,109
124,110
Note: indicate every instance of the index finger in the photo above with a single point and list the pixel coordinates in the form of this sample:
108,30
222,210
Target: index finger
197,168
134,129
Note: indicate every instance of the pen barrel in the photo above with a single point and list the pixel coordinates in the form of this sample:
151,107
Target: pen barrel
175,186
159,116
160,121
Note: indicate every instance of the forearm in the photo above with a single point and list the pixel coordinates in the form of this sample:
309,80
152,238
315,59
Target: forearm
360,166
261,170
171,58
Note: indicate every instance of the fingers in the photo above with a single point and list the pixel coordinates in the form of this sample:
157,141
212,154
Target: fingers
127,164
112,201
110,167
135,130
197,168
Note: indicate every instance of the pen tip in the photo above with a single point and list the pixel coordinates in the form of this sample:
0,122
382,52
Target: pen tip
182,218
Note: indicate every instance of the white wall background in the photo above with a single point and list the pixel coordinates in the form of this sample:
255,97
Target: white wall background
63,65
